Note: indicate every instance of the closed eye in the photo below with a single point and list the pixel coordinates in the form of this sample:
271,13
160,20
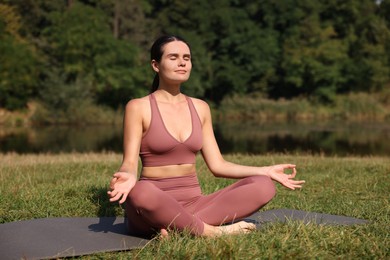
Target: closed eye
174,56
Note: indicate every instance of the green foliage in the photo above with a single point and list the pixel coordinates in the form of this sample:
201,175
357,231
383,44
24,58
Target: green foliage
81,42
274,49
371,36
361,106
18,74
63,102
314,64
18,63
328,47
58,95
229,56
352,107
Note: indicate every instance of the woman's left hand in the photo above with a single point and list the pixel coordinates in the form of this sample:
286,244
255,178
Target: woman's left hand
277,173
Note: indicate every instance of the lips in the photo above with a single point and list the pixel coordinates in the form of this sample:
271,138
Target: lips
181,71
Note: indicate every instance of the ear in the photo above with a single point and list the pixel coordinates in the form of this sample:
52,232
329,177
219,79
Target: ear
155,66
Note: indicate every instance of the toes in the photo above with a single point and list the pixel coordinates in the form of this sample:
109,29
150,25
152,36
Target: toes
164,233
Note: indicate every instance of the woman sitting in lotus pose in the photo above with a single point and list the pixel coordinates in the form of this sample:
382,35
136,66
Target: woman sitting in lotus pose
167,129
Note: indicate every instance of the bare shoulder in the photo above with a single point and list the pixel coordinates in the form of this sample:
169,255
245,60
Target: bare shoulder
202,108
200,104
137,107
137,104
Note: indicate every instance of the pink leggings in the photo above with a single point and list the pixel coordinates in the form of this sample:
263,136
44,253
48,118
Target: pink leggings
178,203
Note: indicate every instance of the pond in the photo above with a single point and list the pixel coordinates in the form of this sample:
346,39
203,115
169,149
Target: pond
331,138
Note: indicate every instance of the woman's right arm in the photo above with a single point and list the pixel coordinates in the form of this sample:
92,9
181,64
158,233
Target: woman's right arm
126,177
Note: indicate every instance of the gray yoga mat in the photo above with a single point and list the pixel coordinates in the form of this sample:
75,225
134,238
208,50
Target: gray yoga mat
285,215
66,237
49,238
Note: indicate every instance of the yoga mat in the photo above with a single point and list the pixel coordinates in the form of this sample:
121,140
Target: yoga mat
285,215
50,238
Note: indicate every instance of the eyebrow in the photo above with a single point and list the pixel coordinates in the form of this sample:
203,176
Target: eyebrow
176,55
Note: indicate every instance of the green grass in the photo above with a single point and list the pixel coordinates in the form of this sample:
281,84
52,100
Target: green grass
353,107
361,107
38,186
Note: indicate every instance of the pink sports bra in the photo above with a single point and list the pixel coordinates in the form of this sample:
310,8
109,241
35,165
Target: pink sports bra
159,147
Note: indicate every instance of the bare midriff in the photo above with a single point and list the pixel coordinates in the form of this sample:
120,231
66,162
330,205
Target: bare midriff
168,171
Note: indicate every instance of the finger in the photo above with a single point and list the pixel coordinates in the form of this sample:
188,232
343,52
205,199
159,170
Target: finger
293,174
298,186
124,197
291,187
112,193
116,197
116,175
289,166
287,184
297,182
293,184
113,180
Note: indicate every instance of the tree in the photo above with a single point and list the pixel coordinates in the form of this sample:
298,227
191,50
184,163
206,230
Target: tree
18,63
328,47
313,61
83,47
232,54
366,35
128,19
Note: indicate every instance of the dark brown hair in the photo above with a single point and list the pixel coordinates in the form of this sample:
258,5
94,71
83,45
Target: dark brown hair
156,53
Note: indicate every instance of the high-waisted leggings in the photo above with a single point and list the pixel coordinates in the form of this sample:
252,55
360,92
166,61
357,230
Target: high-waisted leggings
178,203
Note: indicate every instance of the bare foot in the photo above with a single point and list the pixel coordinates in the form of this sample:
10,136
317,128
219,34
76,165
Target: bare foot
239,227
163,233
236,228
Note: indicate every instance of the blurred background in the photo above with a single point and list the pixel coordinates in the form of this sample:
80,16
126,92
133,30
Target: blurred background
280,75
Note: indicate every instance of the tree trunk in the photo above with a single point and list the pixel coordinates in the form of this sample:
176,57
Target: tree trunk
116,19
69,3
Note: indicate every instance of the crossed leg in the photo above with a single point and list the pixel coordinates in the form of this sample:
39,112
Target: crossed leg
237,201
150,209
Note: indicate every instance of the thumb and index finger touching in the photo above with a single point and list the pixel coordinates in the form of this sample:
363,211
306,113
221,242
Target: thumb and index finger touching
293,173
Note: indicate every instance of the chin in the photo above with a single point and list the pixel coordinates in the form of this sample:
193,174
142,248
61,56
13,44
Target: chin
180,80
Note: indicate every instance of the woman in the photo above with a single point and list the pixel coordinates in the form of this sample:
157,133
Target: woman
167,129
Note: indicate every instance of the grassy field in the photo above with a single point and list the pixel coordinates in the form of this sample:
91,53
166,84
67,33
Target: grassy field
38,186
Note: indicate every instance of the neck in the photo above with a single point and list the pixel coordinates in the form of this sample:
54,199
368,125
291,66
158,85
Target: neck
168,95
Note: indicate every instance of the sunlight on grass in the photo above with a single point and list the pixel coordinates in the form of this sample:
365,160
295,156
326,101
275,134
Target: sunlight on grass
70,185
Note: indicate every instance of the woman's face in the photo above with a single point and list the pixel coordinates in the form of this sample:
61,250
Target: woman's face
175,64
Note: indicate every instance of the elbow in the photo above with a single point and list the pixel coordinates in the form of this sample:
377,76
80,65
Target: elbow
218,175
216,170
216,163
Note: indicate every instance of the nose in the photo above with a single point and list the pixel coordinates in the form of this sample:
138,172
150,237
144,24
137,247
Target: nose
182,62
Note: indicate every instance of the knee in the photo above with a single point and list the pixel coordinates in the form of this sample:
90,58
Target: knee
266,189
141,196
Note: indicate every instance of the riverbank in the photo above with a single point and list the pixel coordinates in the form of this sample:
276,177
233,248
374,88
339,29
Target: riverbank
353,107
330,138
75,185
358,107
85,114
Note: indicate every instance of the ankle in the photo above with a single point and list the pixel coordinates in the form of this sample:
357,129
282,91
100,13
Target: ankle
210,231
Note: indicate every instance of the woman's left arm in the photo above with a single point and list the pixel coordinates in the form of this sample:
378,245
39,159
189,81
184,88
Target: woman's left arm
222,168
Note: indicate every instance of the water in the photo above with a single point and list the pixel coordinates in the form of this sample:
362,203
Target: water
333,138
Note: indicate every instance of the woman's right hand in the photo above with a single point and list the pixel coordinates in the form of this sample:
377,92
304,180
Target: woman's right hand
121,185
